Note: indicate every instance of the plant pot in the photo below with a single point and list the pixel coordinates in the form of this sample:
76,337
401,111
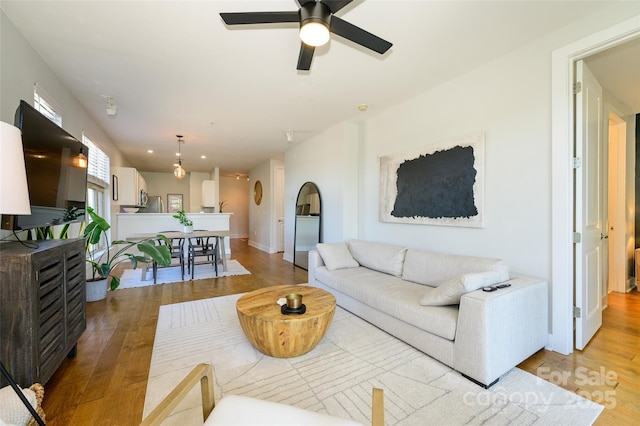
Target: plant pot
188,229
97,290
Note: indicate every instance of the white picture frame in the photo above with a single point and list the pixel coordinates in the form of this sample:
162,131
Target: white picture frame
421,205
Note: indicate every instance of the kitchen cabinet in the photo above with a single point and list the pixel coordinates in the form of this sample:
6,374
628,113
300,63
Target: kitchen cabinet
209,198
130,183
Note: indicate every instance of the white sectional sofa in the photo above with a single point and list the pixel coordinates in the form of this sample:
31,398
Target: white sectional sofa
435,302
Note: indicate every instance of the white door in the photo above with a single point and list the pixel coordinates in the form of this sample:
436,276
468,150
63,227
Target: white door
589,206
279,193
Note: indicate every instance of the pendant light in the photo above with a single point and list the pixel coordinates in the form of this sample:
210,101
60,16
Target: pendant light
179,172
80,160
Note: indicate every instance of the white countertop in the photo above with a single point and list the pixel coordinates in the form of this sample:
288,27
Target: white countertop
171,214
141,223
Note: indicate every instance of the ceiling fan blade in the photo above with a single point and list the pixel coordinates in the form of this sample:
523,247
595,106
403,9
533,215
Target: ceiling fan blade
358,35
305,57
239,18
336,5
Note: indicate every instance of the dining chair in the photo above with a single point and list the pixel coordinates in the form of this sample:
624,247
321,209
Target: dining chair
176,248
206,247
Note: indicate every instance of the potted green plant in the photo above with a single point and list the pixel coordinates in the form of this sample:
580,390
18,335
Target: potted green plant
102,265
184,221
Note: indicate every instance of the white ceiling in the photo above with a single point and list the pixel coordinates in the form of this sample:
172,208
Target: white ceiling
618,70
173,67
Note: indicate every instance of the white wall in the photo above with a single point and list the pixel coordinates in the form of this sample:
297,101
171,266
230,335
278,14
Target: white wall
166,183
515,120
262,218
234,192
517,165
334,169
510,100
20,67
259,223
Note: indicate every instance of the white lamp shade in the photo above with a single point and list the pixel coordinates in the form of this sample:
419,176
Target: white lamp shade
14,193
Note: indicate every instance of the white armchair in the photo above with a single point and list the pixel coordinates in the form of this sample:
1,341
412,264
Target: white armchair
237,410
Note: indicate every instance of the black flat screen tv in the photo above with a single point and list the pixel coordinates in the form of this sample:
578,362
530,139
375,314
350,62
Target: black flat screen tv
57,188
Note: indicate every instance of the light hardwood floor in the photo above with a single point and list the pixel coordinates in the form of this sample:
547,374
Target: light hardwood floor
105,384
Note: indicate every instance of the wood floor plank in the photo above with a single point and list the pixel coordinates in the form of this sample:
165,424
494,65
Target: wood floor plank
612,352
106,383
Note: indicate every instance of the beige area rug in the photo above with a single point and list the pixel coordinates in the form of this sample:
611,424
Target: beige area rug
338,375
133,277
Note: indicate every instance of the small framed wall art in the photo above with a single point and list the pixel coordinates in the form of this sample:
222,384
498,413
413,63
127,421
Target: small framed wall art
174,203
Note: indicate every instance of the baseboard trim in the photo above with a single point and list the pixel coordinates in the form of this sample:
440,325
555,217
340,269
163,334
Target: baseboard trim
259,246
631,284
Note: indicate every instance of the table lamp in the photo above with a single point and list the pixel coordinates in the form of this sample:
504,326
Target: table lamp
14,193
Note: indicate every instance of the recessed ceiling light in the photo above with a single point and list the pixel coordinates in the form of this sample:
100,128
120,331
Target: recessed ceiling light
363,107
177,154
203,156
150,151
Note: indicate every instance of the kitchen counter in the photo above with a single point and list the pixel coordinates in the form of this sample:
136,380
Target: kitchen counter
138,223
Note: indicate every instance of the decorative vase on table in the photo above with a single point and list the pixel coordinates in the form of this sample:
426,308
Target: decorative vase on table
184,221
96,290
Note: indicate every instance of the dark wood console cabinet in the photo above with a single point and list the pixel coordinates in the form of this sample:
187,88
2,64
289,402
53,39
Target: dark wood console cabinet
42,306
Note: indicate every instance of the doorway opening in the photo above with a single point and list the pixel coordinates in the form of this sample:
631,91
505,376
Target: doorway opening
616,225
562,134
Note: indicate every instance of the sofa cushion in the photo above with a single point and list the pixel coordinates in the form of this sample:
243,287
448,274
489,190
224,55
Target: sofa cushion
381,257
336,256
393,296
450,292
432,268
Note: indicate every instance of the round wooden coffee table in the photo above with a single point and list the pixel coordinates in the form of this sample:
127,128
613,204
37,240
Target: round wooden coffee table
285,336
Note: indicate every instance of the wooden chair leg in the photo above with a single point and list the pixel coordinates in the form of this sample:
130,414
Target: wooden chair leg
215,256
202,373
378,407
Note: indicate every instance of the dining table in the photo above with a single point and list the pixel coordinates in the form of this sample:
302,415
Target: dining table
219,235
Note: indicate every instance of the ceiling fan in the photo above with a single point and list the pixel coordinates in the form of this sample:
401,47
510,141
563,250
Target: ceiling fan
317,20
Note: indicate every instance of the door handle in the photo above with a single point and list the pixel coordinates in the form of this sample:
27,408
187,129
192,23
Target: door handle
603,236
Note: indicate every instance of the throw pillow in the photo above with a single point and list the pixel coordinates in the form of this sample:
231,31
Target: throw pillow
12,409
336,256
380,257
450,291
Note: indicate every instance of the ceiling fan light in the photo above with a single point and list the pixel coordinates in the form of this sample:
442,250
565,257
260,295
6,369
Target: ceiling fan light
314,33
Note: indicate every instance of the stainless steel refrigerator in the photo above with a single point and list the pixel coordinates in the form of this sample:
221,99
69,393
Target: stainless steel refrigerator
154,205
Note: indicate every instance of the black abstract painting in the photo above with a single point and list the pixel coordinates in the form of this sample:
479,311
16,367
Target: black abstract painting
437,185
